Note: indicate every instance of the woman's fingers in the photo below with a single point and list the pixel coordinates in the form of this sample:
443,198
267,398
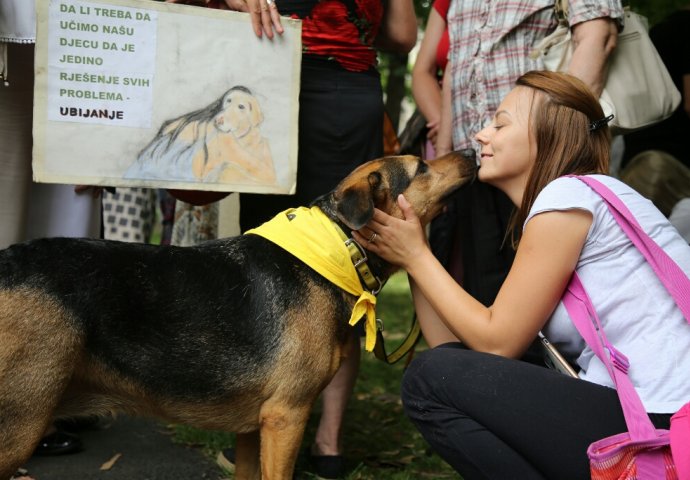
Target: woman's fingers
265,17
274,16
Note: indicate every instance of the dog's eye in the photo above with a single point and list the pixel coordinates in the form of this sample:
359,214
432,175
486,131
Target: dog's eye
422,167
241,107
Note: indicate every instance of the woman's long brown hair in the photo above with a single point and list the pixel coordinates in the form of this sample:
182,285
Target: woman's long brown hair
562,110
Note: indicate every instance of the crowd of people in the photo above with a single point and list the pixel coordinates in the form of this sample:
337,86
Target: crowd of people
490,274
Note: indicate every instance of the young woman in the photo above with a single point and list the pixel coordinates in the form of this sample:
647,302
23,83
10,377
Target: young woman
489,415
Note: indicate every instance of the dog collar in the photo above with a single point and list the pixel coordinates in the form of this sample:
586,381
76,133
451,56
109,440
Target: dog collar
359,259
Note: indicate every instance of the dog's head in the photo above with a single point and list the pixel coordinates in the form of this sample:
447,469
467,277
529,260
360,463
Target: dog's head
239,112
426,185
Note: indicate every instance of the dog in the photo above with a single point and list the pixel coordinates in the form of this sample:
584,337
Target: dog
235,334
219,143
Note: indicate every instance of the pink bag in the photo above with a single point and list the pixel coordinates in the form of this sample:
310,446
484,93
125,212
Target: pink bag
643,452
680,441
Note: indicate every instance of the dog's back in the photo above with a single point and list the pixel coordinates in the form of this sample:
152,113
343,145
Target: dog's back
198,334
128,301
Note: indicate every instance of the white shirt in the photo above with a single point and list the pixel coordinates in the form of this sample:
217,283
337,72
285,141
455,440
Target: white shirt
638,315
680,218
17,21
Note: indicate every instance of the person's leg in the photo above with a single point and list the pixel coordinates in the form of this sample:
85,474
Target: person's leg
340,129
328,439
16,118
56,210
16,106
495,418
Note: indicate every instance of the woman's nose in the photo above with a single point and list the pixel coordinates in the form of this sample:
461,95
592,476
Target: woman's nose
482,136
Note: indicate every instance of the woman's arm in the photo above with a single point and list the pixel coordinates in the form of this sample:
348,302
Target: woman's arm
398,32
547,256
425,85
434,330
593,41
444,141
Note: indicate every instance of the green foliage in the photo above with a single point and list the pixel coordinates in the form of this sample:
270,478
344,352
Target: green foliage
380,442
656,10
421,8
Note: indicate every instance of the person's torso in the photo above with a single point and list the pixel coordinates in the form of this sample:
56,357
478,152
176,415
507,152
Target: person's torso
17,21
638,315
441,7
490,45
340,30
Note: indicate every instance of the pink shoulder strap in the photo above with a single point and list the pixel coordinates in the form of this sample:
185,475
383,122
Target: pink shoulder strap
585,318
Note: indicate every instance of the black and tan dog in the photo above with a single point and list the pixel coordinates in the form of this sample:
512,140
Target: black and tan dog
235,334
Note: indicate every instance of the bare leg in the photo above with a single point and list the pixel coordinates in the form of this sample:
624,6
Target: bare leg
334,400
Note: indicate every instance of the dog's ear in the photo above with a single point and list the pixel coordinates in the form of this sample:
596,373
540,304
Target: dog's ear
355,205
256,115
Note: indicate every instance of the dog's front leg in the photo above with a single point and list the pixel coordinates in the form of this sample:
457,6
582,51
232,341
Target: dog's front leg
282,428
247,466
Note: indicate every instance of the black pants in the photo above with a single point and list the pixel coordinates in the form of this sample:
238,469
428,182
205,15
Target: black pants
495,418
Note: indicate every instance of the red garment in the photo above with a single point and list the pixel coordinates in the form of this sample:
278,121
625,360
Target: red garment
441,6
342,30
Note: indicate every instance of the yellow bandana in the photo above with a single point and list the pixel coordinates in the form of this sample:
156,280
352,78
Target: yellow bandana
310,235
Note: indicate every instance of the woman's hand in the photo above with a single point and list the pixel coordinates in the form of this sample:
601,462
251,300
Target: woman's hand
432,133
263,13
397,241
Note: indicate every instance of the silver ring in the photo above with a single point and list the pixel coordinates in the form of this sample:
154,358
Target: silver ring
372,239
271,3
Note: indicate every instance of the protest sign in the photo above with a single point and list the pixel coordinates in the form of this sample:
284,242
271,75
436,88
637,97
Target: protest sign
153,94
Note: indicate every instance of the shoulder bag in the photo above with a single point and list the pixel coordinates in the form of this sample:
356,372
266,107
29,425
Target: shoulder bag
642,452
639,91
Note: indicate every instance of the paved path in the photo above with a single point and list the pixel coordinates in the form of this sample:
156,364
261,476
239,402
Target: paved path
147,453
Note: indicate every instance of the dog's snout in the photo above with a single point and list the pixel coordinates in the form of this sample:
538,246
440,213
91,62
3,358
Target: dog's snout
468,153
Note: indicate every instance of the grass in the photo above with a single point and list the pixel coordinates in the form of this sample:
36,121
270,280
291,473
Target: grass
380,442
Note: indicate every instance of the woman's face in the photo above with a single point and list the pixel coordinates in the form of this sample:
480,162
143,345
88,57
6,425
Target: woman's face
508,147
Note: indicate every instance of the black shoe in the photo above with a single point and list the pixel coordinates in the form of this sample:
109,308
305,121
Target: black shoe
58,443
226,459
328,466
79,424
